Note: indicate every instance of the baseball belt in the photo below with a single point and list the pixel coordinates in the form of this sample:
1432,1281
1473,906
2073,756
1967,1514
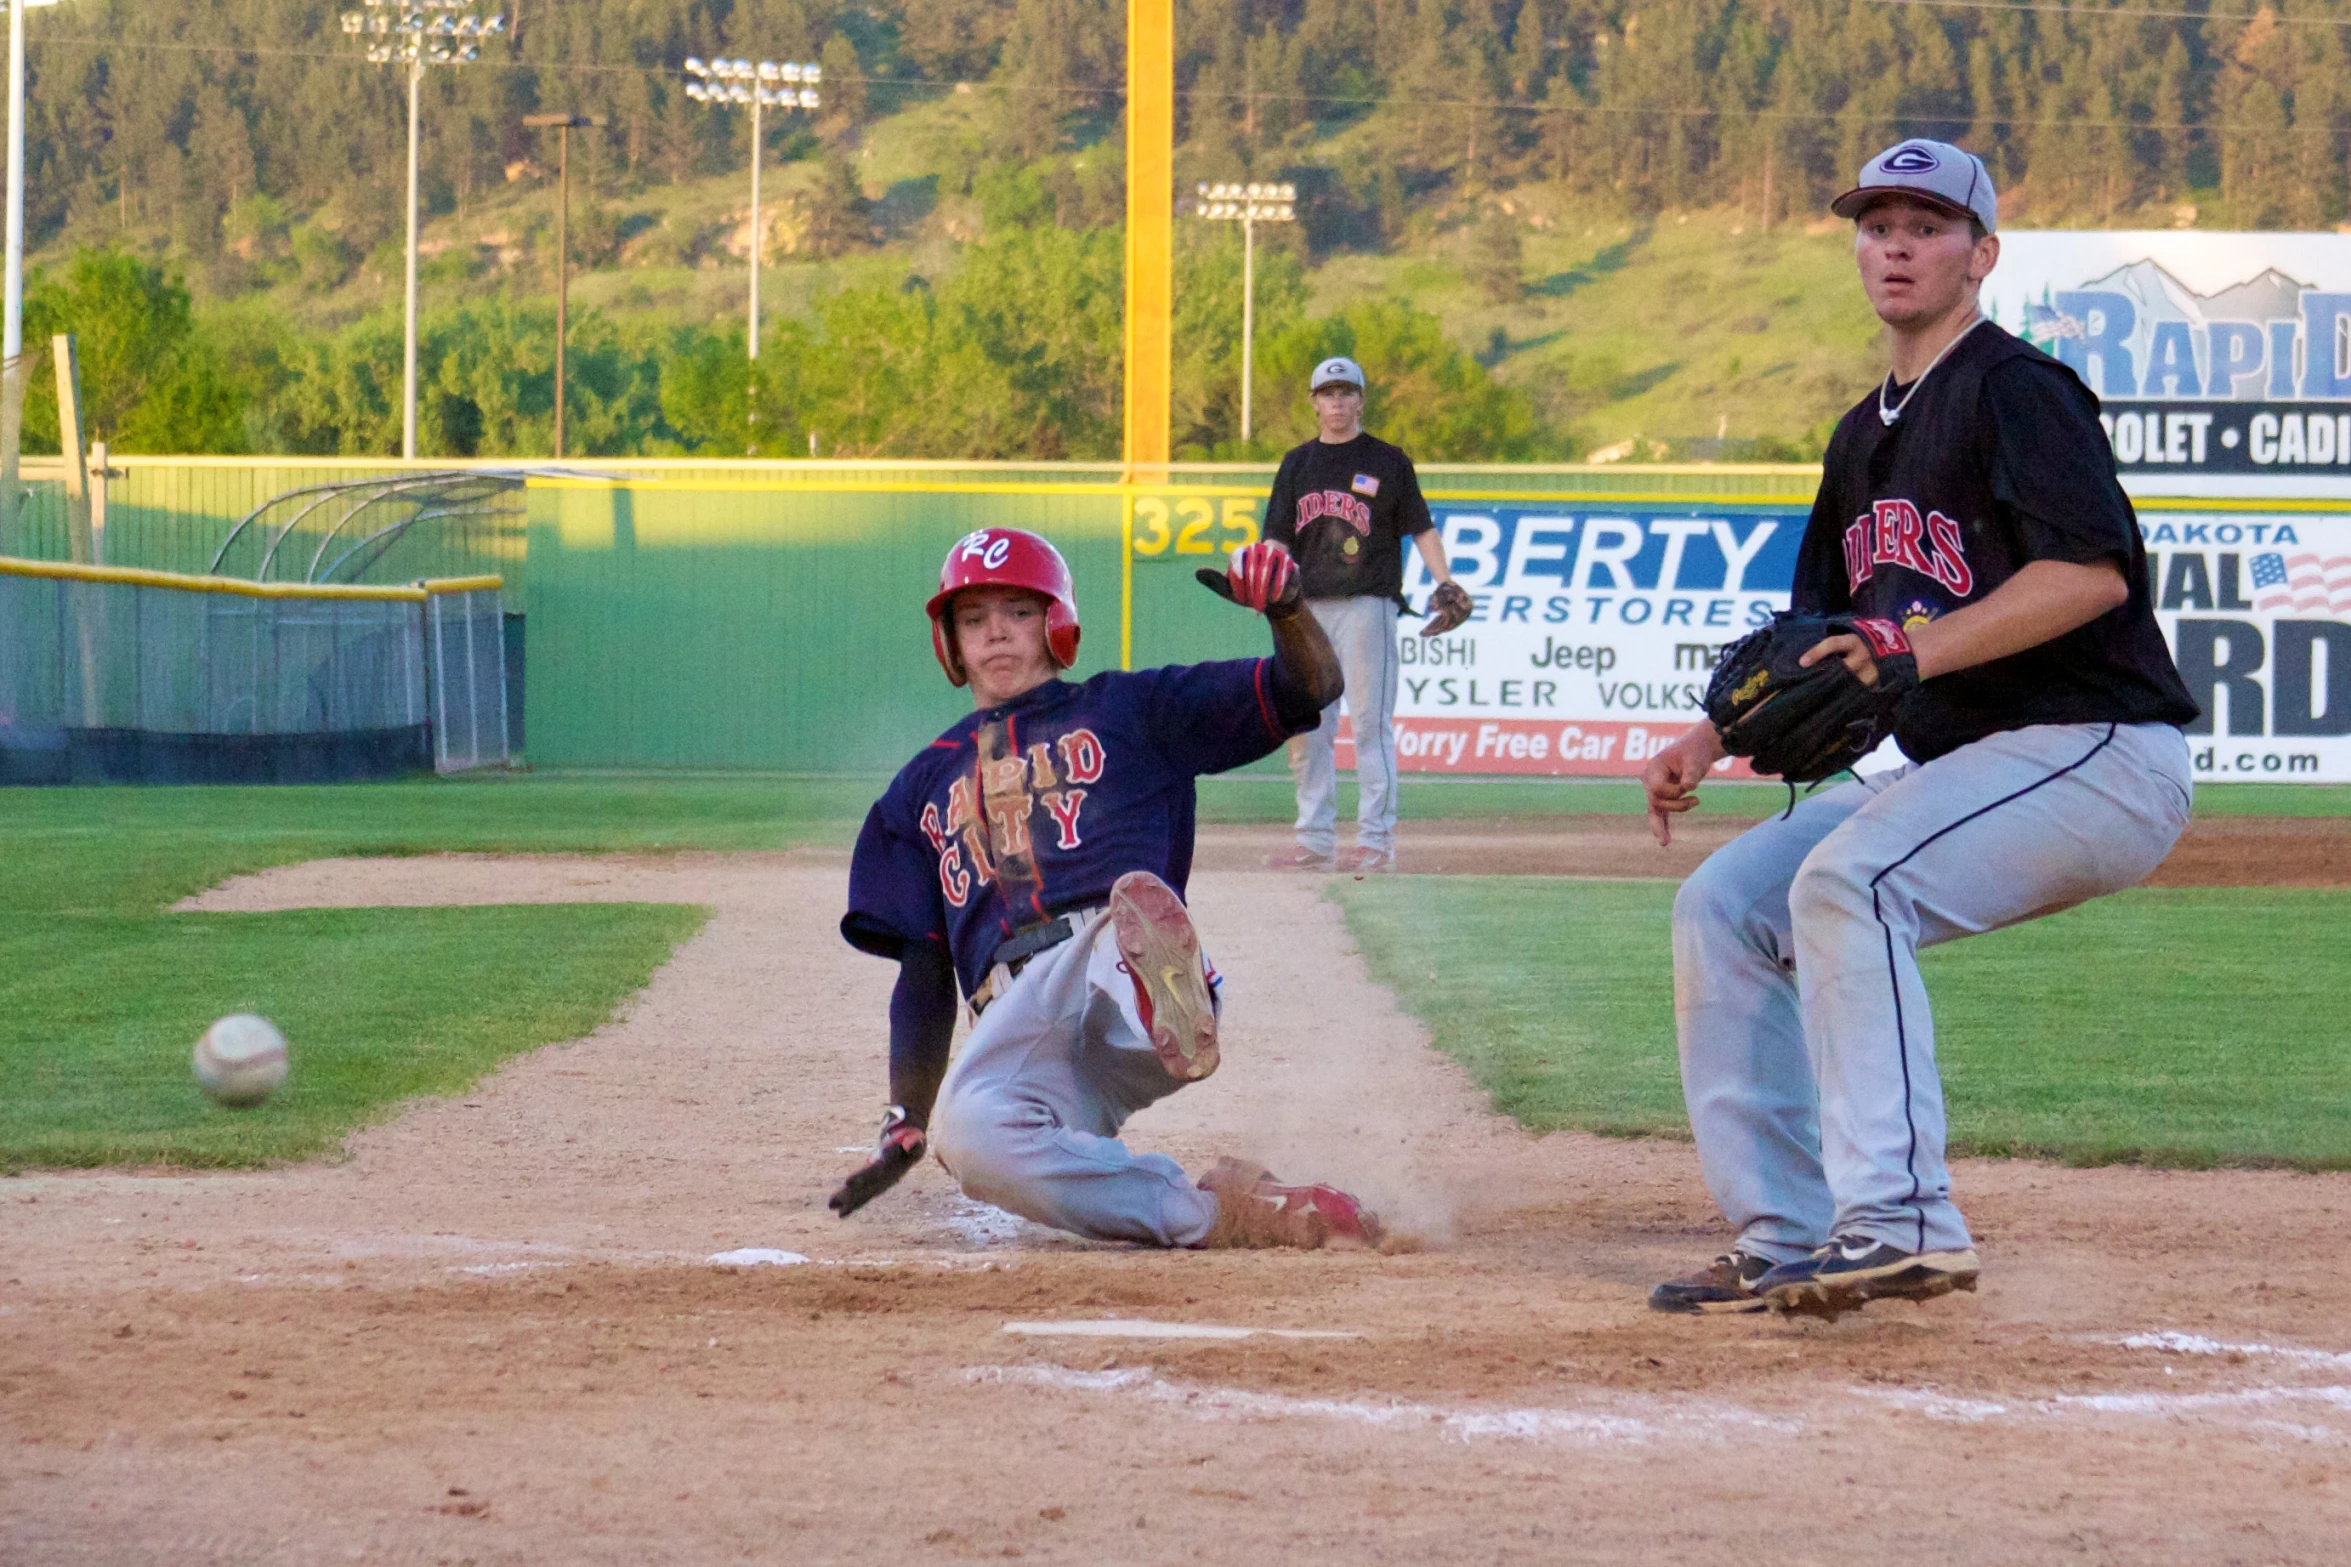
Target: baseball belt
1024,944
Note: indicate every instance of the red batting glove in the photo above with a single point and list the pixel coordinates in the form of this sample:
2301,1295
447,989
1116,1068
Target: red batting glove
1263,577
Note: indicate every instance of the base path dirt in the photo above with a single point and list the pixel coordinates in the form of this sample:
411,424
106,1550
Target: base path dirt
2216,851
534,1325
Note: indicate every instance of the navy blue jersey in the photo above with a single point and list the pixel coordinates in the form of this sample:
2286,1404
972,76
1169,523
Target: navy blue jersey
1021,811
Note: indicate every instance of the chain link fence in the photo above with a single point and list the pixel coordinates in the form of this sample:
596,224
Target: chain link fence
465,661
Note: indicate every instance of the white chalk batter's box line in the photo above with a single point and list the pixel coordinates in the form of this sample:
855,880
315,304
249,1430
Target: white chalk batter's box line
1142,1328
1644,1420
1690,1419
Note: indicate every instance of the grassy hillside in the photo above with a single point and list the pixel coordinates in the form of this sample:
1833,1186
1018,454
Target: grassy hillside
1552,227
1689,334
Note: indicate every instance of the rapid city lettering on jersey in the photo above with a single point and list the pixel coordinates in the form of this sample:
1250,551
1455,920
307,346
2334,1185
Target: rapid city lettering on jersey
1891,533
985,830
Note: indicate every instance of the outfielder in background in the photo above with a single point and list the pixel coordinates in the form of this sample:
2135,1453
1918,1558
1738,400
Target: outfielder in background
1037,853
1972,580
1343,503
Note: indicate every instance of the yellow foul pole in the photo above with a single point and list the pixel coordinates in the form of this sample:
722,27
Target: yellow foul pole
1150,230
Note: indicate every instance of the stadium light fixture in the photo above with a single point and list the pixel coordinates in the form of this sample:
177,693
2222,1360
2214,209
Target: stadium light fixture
1248,205
758,85
417,33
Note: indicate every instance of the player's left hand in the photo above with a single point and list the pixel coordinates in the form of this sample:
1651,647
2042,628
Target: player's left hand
1263,577
1449,607
900,1150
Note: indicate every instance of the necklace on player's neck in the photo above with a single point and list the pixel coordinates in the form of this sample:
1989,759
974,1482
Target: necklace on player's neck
1889,415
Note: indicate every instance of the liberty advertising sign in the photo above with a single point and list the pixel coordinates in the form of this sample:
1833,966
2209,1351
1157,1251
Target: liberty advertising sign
1596,629
2212,353
1594,634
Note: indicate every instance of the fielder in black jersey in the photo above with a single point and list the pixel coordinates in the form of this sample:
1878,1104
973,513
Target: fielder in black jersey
1345,504
1996,461
1969,512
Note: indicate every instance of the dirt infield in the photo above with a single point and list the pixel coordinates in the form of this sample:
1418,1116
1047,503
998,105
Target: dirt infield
503,1330
2217,851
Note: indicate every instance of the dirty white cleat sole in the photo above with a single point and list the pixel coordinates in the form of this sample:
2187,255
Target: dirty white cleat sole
1162,954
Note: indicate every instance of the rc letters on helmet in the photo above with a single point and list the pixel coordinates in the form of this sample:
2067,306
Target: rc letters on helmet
991,553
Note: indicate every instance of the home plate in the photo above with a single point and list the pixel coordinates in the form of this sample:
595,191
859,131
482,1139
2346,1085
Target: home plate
1137,1327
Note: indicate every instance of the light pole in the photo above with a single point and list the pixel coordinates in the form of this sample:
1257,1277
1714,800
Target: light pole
1248,205
763,85
416,33
12,307
563,124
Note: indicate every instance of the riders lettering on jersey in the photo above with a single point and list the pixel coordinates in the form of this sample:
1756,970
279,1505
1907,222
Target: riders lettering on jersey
1891,533
1333,503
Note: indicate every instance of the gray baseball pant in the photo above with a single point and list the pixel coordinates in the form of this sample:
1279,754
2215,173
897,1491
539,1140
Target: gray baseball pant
1363,633
1028,1116
1807,1049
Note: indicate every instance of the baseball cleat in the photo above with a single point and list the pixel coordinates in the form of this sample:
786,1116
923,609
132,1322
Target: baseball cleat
1360,862
1299,859
1162,954
1724,1285
1255,1212
1853,1270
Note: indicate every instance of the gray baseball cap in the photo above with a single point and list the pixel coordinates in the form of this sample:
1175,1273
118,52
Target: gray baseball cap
1336,372
1932,171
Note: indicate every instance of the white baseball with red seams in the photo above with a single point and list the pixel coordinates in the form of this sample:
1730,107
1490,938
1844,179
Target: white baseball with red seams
240,1060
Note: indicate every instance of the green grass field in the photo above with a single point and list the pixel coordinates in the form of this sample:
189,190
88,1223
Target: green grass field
102,992
2183,1027
2177,1027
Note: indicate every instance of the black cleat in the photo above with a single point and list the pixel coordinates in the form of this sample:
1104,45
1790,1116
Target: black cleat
1853,1270
1726,1284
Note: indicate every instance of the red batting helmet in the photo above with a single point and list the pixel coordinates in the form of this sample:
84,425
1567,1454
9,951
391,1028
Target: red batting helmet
1011,558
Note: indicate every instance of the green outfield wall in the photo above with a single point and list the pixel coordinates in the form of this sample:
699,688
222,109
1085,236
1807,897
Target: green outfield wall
696,619
684,613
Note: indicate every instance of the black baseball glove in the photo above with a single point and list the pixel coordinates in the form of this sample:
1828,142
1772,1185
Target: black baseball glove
899,1151
1802,724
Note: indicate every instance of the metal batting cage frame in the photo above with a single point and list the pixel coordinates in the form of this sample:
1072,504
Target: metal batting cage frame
119,675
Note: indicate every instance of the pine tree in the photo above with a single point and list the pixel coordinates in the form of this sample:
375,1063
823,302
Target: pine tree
1497,258
844,87
2172,119
223,147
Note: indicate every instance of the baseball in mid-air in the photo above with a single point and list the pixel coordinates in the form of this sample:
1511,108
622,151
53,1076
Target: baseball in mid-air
241,1060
